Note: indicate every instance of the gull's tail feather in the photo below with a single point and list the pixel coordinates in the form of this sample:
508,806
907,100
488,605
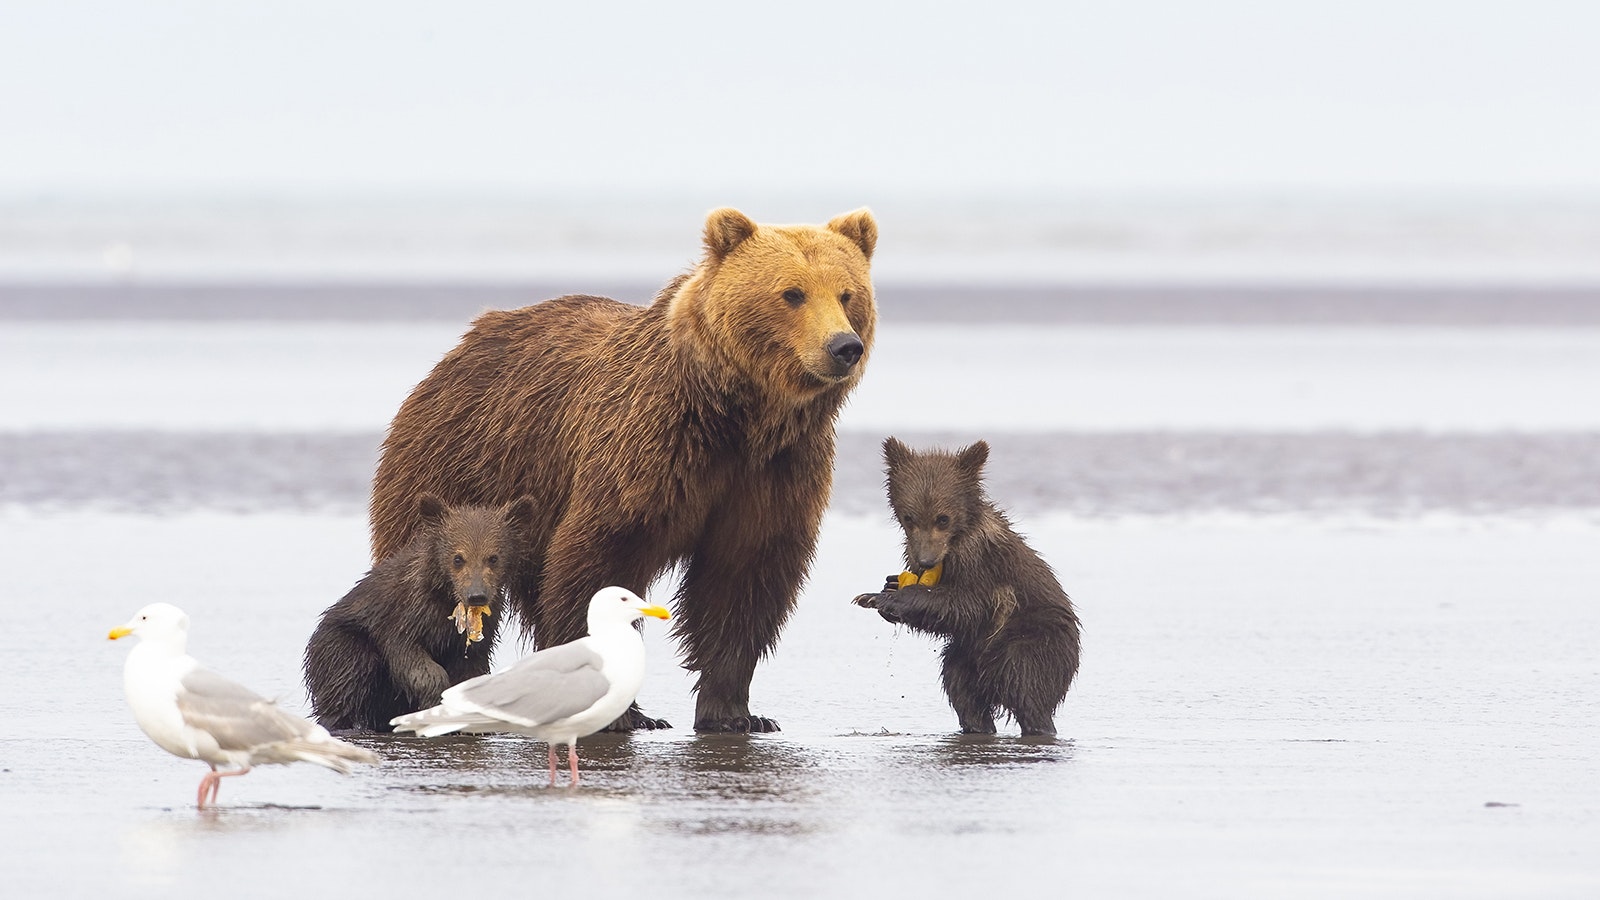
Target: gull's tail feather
330,753
439,720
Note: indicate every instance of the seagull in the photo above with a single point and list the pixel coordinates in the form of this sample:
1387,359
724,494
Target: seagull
192,712
558,694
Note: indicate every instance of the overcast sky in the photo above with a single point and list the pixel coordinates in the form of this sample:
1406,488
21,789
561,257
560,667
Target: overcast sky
1142,95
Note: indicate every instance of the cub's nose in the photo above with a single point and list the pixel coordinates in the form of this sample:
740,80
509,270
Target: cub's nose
846,349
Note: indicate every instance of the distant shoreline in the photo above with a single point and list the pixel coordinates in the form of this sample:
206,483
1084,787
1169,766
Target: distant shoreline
1061,304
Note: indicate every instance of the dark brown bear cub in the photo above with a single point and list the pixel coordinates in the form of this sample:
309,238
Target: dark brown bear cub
1011,632
423,619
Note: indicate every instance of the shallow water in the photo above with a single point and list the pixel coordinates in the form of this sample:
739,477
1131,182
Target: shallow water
1266,706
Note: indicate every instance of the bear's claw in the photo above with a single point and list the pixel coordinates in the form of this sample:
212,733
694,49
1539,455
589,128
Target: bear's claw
738,725
635,720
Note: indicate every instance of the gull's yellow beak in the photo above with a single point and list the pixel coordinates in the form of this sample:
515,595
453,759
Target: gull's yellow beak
121,631
659,612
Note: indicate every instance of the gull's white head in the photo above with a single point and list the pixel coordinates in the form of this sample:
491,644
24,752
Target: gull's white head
161,622
613,606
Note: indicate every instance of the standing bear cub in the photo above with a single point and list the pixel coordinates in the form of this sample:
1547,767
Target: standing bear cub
1011,632
422,620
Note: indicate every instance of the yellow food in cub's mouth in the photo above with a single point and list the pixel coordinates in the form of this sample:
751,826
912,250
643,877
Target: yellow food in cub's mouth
926,579
469,619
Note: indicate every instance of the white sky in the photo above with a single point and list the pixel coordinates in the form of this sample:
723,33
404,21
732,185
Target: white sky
965,98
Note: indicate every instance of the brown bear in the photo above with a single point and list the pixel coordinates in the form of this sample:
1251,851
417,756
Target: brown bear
697,432
422,620
1011,632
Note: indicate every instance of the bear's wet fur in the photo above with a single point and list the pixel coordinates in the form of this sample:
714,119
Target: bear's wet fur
696,432
1011,633
390,646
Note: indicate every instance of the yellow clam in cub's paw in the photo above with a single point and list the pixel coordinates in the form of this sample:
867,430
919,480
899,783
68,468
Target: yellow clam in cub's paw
469,619
926,579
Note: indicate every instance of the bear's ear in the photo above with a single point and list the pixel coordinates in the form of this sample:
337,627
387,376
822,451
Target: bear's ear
519,514
860,227
970,461
895,454
431,508
726,228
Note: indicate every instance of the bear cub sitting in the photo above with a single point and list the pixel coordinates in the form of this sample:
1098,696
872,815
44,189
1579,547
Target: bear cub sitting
1011,632
422,620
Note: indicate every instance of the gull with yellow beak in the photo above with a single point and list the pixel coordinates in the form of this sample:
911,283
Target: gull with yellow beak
192,712
558,694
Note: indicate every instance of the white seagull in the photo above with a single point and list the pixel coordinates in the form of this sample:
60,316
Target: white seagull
558,694
192,712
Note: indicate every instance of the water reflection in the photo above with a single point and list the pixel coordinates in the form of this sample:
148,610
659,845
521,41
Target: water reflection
1004,751
171,845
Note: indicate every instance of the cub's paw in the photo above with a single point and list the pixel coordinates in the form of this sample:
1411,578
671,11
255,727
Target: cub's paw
867,601
737,725
891,607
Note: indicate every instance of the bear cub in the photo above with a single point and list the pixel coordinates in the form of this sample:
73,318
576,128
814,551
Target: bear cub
1011,634
422,620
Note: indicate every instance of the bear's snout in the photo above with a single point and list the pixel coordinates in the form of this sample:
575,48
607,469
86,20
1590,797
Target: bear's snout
845,350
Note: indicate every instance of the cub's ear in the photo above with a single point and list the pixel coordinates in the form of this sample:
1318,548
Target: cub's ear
519,513
895,454
970,461
726,228
860,227
431,508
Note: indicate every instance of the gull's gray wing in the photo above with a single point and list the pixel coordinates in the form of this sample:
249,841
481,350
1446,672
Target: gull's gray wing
543,687
239,718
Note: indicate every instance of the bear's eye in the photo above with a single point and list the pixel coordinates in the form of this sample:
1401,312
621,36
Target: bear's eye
493,561
459,561
906,519
942,522
794,296
844,299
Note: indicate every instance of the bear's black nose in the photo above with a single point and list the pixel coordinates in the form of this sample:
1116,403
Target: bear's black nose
846,348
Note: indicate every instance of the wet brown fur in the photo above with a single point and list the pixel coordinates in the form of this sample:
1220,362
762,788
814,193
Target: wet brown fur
696,431
1012,636
389,646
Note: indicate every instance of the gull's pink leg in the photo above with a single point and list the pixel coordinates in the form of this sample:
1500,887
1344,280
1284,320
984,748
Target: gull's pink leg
216,781
552,764
572,760
207,784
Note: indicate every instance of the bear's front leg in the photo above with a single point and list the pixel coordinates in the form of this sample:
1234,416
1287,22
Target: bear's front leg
733,603
420,679
944,610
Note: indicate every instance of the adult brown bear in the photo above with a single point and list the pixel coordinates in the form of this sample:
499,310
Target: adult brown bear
696,431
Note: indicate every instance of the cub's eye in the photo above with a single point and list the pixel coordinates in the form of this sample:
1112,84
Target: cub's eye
493,561
460,561
845,298
794,296
942,522
907,520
